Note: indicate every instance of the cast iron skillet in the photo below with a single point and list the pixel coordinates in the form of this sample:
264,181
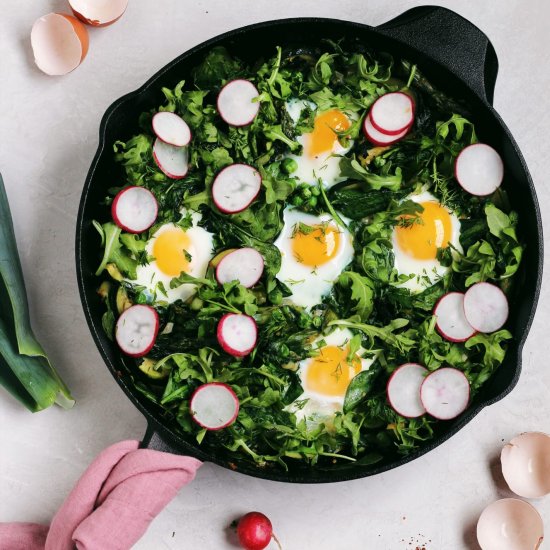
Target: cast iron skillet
458,58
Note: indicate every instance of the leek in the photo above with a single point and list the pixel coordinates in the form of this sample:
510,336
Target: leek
25,370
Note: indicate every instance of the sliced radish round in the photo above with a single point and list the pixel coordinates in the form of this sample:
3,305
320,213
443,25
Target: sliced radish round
245,265
134,209
378,138
479,169
170,159
136,330
237,334
403,390
235,187
485,307
445,393
214,406
171,128
451,321
392,113
235,102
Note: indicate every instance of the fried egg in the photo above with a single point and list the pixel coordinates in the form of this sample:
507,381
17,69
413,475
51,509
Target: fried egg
319,147
326,376
173,250
415,245
314,251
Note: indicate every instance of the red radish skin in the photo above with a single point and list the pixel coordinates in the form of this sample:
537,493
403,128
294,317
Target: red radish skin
486,307
237,334
451,322
245,265
171,160
479,169
235,188
214,406
235,103
134,209
403,390
255,531
445,393
393,113
378,138
136,330
171,128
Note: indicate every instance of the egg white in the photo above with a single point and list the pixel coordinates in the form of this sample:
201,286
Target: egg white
314,407
309,284
425,273
201,251
324,167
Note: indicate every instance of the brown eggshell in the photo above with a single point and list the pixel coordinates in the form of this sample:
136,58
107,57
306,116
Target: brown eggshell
59,42
98,13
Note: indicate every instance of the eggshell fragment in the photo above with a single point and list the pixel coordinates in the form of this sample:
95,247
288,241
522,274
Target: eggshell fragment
99,13
59,43
510,524
526,464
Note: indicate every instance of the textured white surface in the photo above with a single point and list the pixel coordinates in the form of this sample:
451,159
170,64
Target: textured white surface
49,133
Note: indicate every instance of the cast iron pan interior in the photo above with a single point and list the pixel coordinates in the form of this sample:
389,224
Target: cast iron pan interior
460,60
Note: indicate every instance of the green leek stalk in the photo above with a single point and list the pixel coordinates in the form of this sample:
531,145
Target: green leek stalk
25,370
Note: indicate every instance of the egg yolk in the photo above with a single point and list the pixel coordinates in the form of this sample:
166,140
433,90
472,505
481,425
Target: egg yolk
315,245
422,239
170,251
331,372
323,137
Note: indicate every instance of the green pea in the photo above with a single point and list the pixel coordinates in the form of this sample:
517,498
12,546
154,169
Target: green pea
315,191
306,193
289,166
312,202
196,303
297,200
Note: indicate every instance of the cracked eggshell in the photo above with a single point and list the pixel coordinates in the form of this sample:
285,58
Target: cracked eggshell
59,43
510,524
526,464
99,13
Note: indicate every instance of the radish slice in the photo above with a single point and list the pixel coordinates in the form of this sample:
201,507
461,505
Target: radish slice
170,159
378,138
59,43
403,390
171,128
235,102
445,393
392,113
451,321
214,406
237,334
135,209
99,13
235,187
485,307
136,330
245,265
479,169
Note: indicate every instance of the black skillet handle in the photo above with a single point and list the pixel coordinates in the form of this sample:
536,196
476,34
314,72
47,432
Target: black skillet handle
153,440
451,40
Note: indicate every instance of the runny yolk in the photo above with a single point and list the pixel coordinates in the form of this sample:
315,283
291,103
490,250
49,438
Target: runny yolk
315,245
323,137
421,240
169,251
330,372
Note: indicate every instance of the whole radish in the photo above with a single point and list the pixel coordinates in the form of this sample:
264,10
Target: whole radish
255,531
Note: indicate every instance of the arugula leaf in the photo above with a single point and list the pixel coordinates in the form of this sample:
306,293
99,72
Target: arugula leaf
114,252
362,292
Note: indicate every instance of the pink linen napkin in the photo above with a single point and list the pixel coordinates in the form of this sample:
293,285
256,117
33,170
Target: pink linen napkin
112,504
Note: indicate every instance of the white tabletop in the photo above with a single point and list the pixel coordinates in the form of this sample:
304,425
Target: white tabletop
48,135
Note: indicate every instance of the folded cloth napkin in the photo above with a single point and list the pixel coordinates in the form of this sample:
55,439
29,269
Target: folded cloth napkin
112,504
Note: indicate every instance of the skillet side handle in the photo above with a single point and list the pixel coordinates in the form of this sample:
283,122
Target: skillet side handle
451,40
153,440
